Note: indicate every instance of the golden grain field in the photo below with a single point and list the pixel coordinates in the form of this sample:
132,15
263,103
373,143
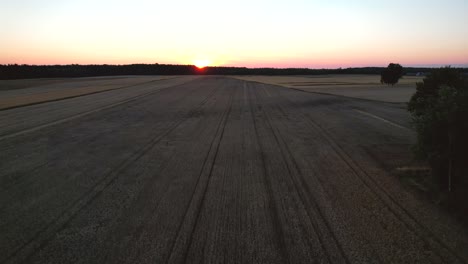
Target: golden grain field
356,86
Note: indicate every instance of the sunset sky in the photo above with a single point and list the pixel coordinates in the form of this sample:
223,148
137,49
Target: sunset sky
293,33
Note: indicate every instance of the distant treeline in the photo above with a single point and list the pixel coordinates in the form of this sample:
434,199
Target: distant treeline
14,71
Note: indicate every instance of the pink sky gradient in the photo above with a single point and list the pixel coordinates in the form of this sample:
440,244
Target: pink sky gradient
296,34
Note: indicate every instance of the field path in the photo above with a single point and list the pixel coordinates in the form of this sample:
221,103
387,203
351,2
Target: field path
214,170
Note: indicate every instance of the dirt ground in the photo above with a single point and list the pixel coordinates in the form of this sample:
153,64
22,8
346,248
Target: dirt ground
356,86
214,170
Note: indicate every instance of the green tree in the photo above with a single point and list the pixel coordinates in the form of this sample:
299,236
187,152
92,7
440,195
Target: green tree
440,114
391,74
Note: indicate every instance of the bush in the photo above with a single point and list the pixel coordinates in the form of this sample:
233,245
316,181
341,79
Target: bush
440,114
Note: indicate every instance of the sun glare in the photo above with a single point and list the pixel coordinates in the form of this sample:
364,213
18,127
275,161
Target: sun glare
201,63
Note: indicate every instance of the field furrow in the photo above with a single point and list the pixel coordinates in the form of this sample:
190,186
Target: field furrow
212,170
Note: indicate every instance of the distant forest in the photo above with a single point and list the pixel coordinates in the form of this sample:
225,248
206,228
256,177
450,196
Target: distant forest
14,71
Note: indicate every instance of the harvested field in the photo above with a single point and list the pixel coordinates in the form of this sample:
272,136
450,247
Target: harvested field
356,86
28,92
27,83
214,170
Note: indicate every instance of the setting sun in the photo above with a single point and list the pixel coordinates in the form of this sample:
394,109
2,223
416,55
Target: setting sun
201,63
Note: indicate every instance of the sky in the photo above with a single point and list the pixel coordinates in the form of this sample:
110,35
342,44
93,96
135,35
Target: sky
250,33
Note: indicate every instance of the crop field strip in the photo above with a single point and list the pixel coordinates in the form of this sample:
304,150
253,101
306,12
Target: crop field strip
38,98
100,185
370,182
170,172
212,170
179,248
363,87
320,223
8,115
7,185
302,185
138,154
317,221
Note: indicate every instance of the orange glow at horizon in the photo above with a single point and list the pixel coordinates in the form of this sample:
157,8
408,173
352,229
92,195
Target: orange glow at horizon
313,59
200,64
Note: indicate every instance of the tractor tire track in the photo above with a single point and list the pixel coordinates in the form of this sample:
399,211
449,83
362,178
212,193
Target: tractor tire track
400,212
313,210
179,249
96,110
44,235
273,205
6,186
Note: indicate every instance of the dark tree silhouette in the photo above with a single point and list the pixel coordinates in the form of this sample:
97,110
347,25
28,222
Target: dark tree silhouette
15,71
391,74
440,114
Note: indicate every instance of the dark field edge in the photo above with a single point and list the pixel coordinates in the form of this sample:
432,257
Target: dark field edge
15,71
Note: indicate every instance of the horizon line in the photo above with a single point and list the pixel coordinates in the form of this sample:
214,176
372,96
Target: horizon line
429,66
